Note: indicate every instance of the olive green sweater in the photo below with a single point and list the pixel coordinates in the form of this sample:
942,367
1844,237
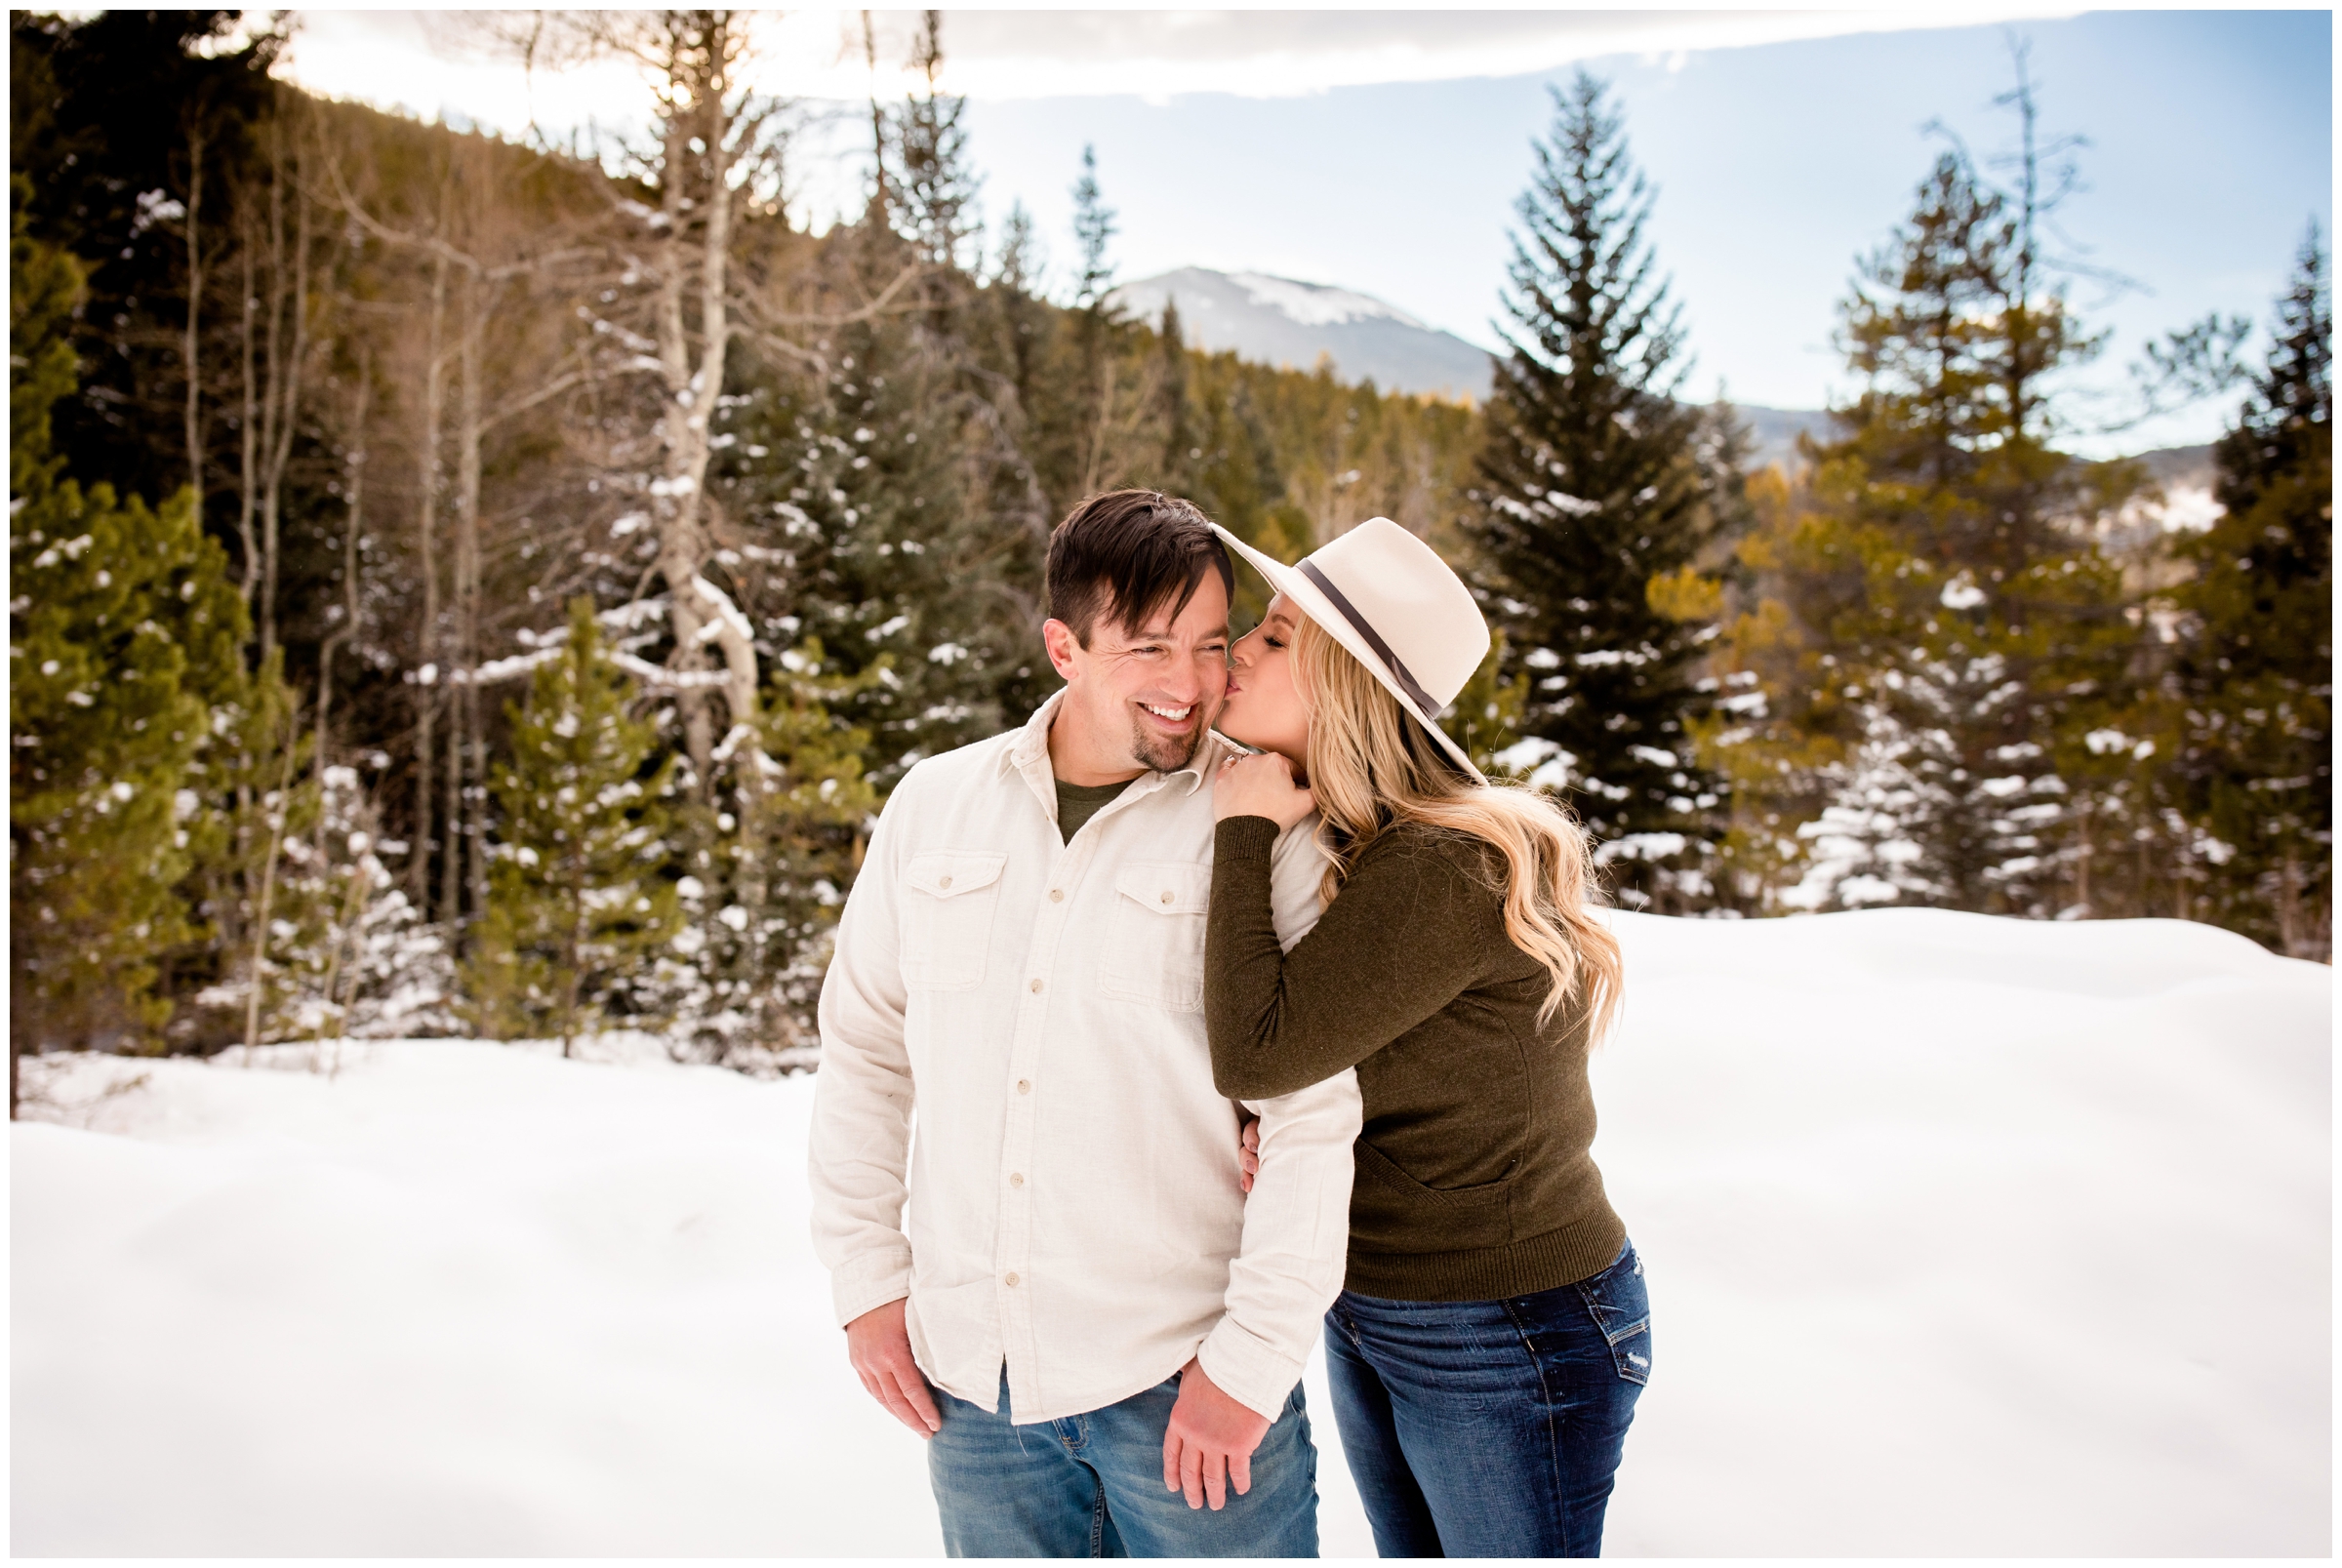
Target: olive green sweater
1473,1177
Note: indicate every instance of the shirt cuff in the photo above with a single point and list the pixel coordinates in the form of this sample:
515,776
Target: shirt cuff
1244,838
1243,1366
867,1286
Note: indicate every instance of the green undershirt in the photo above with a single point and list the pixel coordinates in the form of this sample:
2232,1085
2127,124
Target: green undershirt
1079,803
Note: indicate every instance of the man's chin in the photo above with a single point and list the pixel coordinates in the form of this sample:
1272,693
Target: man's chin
1165,753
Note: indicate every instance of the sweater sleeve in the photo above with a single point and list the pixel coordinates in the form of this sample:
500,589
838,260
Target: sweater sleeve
1410,932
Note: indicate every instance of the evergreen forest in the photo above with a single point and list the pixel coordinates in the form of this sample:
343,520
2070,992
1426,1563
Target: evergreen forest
462,586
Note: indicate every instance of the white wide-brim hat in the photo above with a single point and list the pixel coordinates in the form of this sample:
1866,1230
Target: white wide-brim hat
1403,612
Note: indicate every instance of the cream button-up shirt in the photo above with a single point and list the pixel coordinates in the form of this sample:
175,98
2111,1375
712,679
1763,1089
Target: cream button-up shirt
1014,1123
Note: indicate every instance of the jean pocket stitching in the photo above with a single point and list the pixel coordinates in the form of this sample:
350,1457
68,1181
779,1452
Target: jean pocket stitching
1602,1295
1642,1325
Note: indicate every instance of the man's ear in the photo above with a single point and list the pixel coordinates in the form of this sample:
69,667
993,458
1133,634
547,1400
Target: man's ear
1063,646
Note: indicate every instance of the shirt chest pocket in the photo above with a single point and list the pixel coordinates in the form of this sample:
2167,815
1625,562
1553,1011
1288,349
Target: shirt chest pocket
1154,935
949,900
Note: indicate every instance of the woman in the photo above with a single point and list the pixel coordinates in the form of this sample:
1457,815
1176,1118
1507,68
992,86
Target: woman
1494,1332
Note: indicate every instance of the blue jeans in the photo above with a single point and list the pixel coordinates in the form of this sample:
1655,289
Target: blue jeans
1092,1485
1490,1428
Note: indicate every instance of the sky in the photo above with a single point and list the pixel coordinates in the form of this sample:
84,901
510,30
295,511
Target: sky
1383,151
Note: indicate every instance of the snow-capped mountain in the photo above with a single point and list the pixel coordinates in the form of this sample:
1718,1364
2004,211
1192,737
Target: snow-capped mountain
1282,321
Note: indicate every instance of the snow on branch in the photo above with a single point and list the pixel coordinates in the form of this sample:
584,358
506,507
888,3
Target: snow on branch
665,679
502,669
728,612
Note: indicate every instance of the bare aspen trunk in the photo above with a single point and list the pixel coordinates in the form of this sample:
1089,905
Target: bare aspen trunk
700,611
674,498
574,956
480,297
189,343
451,864
289,298
475,798
869,54
271,390
2288,906
476,240
2082,863
248,472
1094,466
260,924
426,692
354,470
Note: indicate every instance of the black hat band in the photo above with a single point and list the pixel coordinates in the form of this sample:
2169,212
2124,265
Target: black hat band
1423,705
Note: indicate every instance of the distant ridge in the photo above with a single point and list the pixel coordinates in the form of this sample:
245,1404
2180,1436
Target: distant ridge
1283,321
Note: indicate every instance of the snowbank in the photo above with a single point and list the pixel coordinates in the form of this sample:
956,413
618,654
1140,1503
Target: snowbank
1965,1236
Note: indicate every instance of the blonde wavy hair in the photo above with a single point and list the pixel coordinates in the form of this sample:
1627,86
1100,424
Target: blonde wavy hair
1372,769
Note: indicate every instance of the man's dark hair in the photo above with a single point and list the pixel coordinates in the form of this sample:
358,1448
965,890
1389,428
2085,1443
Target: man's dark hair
1128,554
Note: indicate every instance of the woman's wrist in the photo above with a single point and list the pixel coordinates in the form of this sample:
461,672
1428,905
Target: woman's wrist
1244,838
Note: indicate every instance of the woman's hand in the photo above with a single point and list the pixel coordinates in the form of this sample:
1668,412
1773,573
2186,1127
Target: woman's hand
1259,786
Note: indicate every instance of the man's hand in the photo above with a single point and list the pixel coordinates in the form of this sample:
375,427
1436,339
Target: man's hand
1210,1441
1259,786
879,1348
1248,1153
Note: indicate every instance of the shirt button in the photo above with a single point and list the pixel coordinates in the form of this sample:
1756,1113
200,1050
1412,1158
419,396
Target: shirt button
1012,1279
1023,1086
1037,986
1057,895
1015,1178
1166,898
942,881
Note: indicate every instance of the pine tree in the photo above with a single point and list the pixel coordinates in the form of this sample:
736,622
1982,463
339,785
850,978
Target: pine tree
1090,465
1233,472
578,900
1591,486
1778,730
935,185
1948,571
2255,671
765,891
261,804
121,622
1094,231
138,131
360,964
1025,324
1013,343
1179,452
852,486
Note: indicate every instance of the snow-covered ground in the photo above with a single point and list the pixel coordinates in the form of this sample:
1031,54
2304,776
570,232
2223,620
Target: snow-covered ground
1965,1236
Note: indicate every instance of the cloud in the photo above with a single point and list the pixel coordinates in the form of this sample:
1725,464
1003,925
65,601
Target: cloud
1285,54
432,63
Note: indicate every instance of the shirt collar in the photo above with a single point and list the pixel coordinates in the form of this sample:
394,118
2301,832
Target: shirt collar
1032,749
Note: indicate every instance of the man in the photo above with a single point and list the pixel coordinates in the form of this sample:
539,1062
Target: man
1097,1329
